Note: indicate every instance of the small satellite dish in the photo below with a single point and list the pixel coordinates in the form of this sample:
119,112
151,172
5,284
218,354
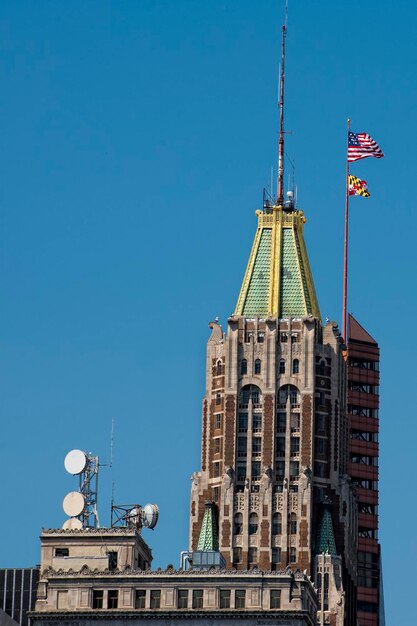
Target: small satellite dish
73,504
73,523
150,515
75,462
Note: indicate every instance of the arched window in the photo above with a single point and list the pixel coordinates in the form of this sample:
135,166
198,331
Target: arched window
238,523
295,366
250,392
282,366
293,524
322,368
258,366
253,524
243,367
219,368
276,524
289,391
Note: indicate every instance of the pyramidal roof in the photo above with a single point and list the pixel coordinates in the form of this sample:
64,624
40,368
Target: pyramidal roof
356,332
278,280
325,535
209,539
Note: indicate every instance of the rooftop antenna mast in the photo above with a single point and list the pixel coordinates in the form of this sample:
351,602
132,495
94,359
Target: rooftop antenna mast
280,190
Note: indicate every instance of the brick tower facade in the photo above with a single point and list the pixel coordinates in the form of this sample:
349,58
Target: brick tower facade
363,415
275,434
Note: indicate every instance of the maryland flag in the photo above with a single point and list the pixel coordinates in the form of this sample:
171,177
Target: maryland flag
357,187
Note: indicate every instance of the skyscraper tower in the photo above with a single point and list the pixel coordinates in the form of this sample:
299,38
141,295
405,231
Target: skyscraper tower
275,435
275,441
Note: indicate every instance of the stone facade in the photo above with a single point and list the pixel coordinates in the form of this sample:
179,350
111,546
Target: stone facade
80,587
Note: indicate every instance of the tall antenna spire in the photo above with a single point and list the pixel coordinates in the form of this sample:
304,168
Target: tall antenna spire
280,195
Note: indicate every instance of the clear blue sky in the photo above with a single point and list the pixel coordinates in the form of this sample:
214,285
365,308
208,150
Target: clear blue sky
136,137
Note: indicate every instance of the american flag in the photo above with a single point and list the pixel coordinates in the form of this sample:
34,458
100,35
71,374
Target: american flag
361,145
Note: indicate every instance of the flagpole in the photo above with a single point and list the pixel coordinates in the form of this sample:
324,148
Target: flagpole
345,264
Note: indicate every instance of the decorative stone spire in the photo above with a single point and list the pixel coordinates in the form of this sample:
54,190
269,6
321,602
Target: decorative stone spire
278,280
209,537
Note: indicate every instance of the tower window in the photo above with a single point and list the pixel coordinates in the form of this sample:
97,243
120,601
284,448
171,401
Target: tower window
282,366
242,445
250,392
237,555
284,337
241,472
295,422
61,552
291,392
294,338
140,599
219,368
294,469
256,470
253,524
242,422
238,524
275,599
197,598
224,598
257,366
217,421
280,446
112,598
216,470
256,446
281,422
243,367
112,561
320,469
155,598
322,368
98,595
217,445
218,398
240,598
276,524
276,555
182,599
280,469
295,366
295,446
293,524
252,555
293,554
256,422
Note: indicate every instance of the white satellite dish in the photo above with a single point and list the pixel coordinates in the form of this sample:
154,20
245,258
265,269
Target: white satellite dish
73,523
75,462
150,515
74,503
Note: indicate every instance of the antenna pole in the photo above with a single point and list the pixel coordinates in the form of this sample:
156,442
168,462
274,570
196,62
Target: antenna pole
345,263
280,190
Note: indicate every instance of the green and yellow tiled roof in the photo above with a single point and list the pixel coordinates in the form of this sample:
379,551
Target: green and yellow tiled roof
209,538
325,541
278,280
